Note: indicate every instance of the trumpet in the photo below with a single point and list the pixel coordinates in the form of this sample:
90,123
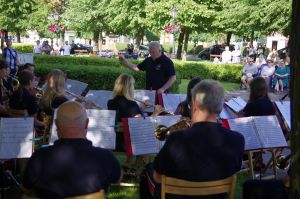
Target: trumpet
83,99
15,82
283,162
162,132
39,92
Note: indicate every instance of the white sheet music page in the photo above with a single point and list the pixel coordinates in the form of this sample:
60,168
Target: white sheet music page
171,101
234,105
99,97
101,129
16,138
227,113
246,127
285,110
142,136
270,131
240,101
145,95
75,86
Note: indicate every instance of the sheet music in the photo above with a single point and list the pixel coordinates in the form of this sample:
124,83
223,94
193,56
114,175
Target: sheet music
143,140
75,86
99,97
25,58
285,110
234,105
240,101
246,128
16,138
101,129
269,131
171,101
142,136
226,113
145,95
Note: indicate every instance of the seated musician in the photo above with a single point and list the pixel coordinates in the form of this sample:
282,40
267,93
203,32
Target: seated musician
259,103
27,66
4,97
54,94
72,166
184,108
23,98
125,106
206,151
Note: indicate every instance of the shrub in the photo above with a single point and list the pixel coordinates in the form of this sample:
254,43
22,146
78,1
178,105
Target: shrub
195,50
23,48
98,78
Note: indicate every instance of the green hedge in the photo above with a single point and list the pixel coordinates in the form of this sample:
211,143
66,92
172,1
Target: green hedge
23,48
98,78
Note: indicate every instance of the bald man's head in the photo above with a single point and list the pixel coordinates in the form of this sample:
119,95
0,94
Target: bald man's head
71,120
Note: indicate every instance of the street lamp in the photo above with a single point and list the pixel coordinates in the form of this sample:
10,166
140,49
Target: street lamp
174,13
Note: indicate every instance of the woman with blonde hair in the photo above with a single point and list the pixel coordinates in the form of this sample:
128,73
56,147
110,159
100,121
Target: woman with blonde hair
54,94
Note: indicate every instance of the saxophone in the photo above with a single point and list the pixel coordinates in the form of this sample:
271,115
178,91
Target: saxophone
162,132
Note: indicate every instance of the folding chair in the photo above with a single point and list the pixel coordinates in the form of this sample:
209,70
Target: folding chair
189,188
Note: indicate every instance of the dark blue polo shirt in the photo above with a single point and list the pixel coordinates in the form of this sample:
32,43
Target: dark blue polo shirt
70,167
158,71
205,152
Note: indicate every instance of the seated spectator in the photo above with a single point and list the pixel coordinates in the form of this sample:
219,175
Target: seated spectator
249,72
184,108
260,61
267,71
259,103
226,55
72,166
282,74
206,151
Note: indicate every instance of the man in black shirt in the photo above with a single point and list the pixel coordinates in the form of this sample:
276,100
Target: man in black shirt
72,166
206,151
160,72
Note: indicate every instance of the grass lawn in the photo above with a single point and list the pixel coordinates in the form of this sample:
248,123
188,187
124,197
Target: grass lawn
227,86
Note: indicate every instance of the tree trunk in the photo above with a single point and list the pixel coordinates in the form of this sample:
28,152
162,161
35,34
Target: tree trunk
62,37
251,38
139,37
228,38
95,41
18,34
294,44
186,42
180,42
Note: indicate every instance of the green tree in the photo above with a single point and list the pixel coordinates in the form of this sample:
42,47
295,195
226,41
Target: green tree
14,15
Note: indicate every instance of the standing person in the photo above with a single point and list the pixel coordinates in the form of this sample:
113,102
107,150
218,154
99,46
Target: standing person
46,48
66,49
72,166
160,72
10,55
37,49
206,151
226,55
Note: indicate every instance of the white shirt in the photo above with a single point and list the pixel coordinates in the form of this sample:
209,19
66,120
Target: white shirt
67,49
226,57
250,69
267,71
37,49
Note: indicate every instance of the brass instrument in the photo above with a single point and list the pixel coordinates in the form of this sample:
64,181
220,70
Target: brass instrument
161,112
39,92
162,132
15,82
283,162
83,99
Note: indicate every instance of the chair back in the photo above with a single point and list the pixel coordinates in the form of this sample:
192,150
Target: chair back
97,195
190,188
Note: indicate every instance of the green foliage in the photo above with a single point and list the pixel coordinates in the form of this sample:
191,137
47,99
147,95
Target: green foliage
23,48
121,46
195,50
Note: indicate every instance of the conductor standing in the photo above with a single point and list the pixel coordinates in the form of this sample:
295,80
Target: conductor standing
160,72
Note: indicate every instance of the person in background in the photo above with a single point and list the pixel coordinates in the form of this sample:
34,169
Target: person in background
66,49
10,55
260,61
249,72
226,55
46,48
72,166
267,71
184,108
160,72
37,49
282,74
4,96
